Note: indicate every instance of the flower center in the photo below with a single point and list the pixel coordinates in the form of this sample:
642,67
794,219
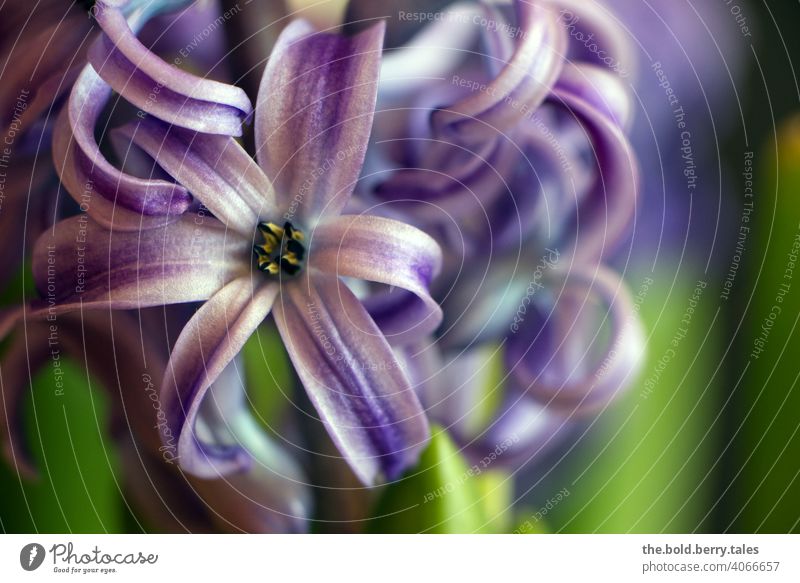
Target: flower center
282,249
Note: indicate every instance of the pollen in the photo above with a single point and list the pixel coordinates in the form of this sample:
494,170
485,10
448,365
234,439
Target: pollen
282,249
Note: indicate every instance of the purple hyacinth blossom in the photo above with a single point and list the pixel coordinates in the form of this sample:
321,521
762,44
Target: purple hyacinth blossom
570,346
166,91
42,54
513,136
120,61
500,145
122,353
267,238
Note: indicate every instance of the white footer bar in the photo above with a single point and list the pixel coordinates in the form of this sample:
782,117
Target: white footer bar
411,558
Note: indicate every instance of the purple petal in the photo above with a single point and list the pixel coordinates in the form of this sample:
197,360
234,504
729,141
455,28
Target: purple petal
519,88
314,115
533,207
352,377
499,41
159,88
432,54
271,495
80,264
108,195
389,252
600,87
455,179
208,343
215,169
603,218
563,358
523,429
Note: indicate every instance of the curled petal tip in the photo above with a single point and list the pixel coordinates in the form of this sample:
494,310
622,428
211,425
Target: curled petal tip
110,196
389,252
159,88
205,347
562,358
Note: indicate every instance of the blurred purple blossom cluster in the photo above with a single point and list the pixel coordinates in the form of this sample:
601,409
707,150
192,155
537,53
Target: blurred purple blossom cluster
432,228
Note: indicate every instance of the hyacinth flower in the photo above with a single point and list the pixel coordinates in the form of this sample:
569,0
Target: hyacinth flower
107,194
529,182
276,242
42,53
563,357
271,496
468,136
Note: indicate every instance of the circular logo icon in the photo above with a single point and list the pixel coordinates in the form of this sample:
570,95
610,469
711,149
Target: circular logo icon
31,556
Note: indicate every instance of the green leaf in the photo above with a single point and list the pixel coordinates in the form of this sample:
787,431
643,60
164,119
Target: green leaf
441,495
766,448
269,376
647,466
490,378
529,526
77,490
496,491
20,286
